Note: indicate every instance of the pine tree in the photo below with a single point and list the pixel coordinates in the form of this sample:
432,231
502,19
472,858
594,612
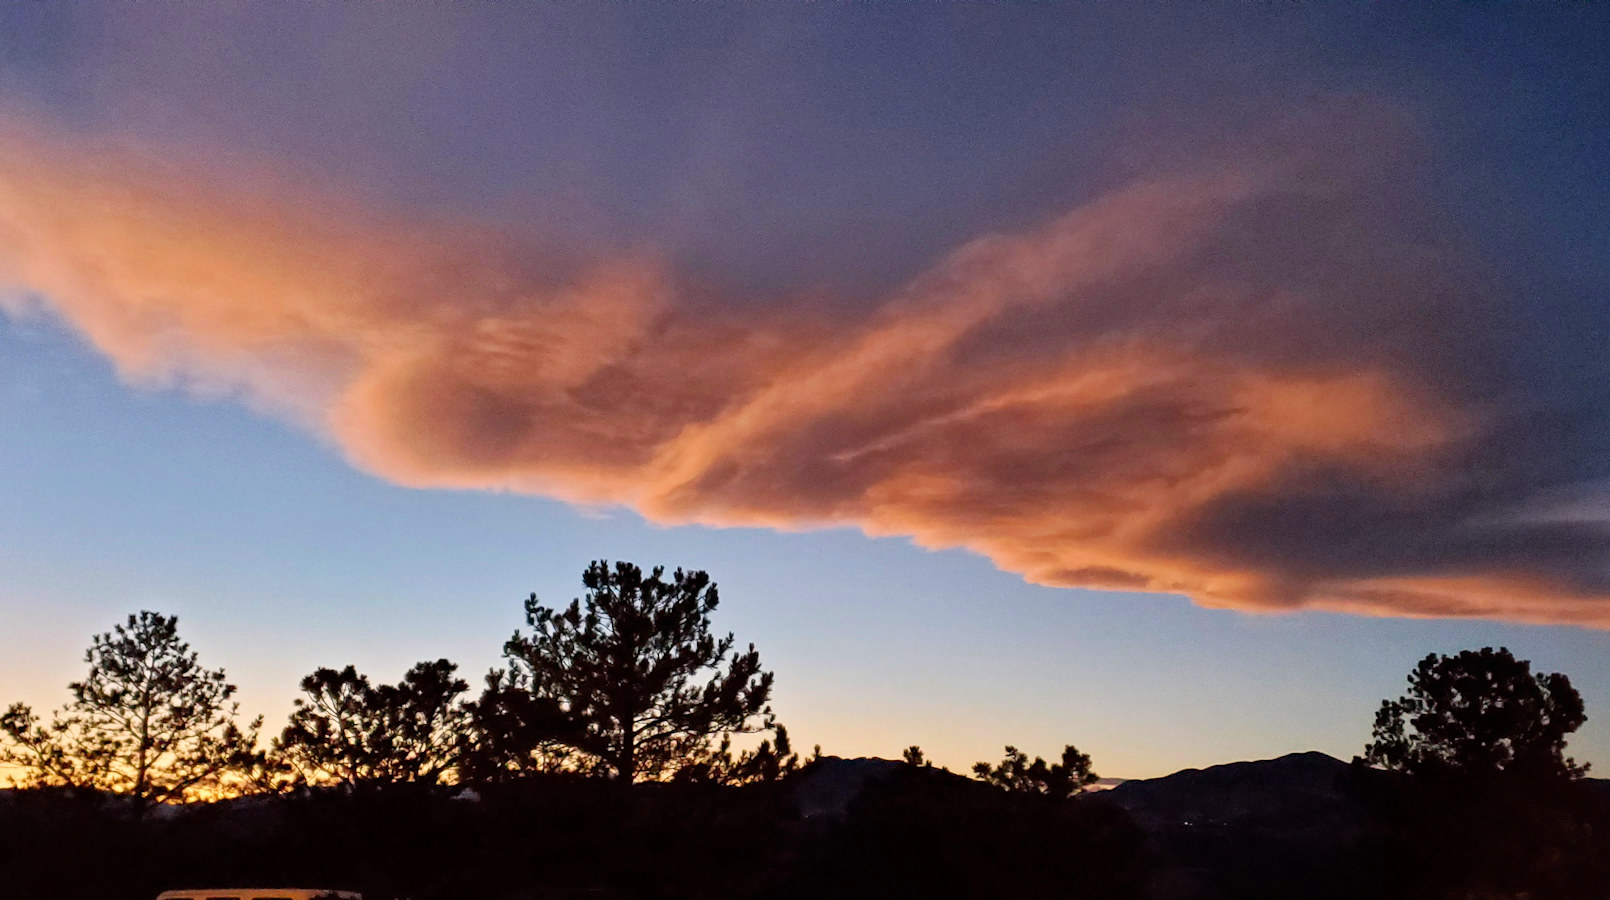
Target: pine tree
1015,773
348,731
147,722
1478,713
635,670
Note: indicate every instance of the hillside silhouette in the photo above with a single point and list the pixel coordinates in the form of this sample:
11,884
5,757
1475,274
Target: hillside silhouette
1298,825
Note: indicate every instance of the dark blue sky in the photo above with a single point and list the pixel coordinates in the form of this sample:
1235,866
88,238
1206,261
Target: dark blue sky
787,145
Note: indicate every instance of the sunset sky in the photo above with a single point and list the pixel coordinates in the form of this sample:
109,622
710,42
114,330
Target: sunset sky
1164,380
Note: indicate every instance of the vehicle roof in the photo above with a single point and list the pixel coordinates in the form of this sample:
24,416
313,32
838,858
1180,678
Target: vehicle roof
247,893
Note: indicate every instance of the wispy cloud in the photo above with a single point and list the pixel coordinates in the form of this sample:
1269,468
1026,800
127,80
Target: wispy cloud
1236,381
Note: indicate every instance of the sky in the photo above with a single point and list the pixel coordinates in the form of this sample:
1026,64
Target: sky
1164,380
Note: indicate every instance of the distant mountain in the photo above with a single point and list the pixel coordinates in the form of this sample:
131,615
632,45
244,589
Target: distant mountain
1301,790
1242,794
1239,829
827,785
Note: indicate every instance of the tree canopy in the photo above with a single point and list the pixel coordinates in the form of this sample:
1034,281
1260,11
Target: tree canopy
1478,713
349,731
514,732
1015,773
633,667
148,721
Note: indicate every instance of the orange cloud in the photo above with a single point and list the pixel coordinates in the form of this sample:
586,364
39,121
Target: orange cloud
1220,382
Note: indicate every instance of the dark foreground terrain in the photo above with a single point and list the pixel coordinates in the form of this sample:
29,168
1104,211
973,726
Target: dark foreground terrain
1304,826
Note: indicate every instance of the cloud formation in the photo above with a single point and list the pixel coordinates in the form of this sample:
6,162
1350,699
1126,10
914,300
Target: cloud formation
1265,385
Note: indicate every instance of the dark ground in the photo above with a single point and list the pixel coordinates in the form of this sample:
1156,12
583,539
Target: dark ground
1302,826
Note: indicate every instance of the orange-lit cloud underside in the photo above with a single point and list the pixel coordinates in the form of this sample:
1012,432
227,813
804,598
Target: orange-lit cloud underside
1202,382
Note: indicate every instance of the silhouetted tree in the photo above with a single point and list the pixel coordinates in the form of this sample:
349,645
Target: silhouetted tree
634,667
325,740
147,722
1477,794
513,732
913,756
1016,773
1478,714
346,730
422,723
773,760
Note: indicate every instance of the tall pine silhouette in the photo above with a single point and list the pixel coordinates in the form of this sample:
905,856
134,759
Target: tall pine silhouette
633,666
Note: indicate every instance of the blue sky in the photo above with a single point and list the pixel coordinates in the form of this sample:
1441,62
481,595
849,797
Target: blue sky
825,160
